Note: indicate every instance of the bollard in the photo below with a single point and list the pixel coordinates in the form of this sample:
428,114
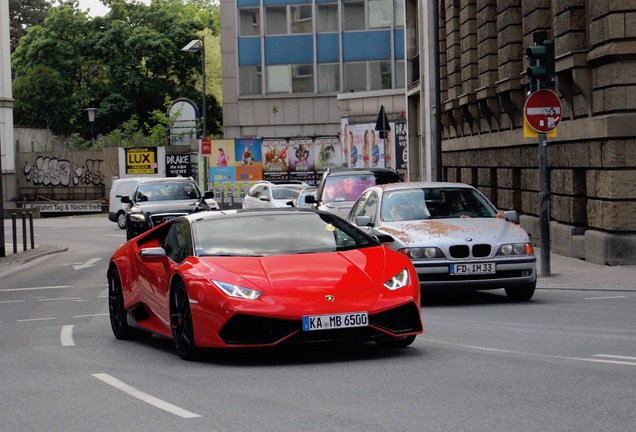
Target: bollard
31,230
24,235
15,233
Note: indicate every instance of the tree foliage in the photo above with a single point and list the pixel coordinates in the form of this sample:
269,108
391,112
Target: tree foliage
126,64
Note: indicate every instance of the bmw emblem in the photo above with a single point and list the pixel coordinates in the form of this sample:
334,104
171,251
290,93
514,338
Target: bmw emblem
329,298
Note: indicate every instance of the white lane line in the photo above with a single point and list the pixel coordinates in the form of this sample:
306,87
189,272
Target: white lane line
604,298
36,288
12,301
158,403
66,336
615,356
90,315
529,354
35,319
61,298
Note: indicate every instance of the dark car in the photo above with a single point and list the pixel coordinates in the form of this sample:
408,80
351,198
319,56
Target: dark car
159,200
340,188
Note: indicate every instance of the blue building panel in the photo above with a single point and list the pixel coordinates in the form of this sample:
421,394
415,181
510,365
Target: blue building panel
398,45
366,45
328,47
249,51
284,2
244,3
289,49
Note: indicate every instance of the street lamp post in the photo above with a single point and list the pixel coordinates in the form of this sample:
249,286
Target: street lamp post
194,46
91,120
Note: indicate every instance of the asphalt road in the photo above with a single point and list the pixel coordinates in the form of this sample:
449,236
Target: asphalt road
566,361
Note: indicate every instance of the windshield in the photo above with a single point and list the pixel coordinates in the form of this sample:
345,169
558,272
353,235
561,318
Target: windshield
276,234
346,187
432,203
166,191
286,192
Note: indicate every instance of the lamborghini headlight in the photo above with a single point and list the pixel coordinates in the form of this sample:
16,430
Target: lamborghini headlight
398,281
237,290
515,249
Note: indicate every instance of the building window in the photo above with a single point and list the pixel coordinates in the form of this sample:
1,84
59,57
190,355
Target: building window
380,75
380,13
276,20
249,22
278,79
353,16
303,78
327,17
328,78
400,74
301,19
250,80
399,14
293,19
355,76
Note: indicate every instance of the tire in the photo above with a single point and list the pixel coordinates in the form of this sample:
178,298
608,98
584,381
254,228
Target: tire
181,323
117,312
396,343
121,220
521,293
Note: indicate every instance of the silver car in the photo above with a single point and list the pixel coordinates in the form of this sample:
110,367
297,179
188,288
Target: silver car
455,237
265,194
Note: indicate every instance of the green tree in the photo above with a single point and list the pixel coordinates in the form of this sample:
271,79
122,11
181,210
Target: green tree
24,14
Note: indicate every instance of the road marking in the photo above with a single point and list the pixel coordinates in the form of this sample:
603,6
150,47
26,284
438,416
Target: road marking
12,301
35,319
604,298
90,315
592,360
66,336
61,298
90,263
36,288
158,403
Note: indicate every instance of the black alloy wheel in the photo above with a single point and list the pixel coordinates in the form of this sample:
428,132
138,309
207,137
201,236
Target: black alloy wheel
521,293
117,312
181,323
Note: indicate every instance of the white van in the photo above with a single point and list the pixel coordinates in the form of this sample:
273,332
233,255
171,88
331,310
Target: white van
116,208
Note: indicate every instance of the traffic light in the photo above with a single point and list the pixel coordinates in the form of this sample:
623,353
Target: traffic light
541,70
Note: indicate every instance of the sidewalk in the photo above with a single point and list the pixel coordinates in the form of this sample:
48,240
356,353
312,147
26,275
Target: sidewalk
565,272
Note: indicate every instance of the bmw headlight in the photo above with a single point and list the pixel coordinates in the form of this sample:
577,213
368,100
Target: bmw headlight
419,253
398,281
237,291
515,249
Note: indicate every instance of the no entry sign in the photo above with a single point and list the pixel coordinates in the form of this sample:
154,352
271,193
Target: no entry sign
543,110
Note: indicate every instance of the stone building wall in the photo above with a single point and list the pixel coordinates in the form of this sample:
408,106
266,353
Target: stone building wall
591,161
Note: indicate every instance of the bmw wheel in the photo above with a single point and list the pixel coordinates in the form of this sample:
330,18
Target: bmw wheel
181,323
121,220
521,293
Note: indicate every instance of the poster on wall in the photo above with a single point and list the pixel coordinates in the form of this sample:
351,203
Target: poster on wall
401,150
178,165
364,146
249,159
275,159
302,164
328,153
141,160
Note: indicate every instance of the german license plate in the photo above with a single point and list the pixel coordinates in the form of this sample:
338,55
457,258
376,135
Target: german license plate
335,321
473,268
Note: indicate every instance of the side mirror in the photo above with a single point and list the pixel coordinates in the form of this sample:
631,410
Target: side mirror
310,199
126,199
208,194
152,253
512,216
363,221
384,238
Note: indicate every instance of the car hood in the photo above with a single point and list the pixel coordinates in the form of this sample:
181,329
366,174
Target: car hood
338,208
479,230
293,275
174,206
